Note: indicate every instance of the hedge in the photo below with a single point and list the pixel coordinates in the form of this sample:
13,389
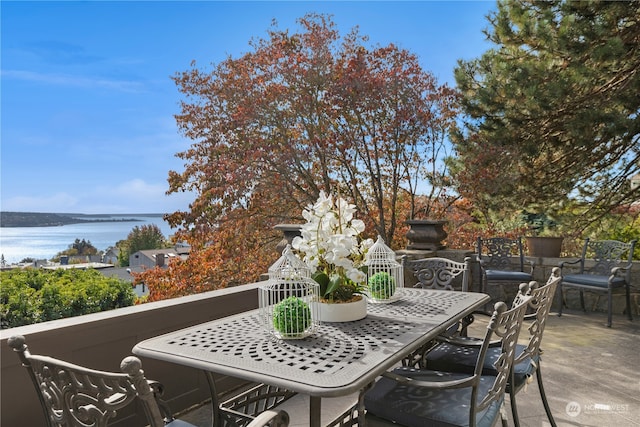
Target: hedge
34,295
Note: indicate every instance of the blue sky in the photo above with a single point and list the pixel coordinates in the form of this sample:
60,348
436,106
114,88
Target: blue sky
87,103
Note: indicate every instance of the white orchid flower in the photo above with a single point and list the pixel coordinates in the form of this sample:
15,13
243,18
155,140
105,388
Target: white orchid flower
356,275
329,239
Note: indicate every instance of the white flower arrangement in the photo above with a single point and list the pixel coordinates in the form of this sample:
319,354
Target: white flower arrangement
332,248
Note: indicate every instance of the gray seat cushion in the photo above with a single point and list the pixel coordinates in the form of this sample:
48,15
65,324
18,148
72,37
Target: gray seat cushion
454,358
179,423
418,406
594,280
515,276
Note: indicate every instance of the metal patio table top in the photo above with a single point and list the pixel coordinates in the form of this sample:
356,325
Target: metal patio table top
337,360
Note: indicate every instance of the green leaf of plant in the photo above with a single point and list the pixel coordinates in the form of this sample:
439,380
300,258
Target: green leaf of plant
323,281
335,283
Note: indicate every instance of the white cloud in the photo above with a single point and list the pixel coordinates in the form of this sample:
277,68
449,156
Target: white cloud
75,81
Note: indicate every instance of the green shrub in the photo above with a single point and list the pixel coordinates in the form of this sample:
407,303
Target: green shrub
382,285
626,233
31,296
18,304
291,316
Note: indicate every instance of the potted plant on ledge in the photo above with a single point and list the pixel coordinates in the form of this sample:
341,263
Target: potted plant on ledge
330,245
544,239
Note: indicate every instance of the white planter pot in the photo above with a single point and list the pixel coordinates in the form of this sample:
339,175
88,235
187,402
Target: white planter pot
342,312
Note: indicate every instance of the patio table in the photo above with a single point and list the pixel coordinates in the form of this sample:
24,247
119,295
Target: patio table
338,360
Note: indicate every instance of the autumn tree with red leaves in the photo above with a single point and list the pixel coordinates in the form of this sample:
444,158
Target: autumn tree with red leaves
301,113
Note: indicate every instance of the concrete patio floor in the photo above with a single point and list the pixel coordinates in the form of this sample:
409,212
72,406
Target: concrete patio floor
590,374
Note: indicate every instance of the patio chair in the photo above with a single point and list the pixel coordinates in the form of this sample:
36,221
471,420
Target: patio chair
496,268
609,272
420,397
459,355
72,395
439,273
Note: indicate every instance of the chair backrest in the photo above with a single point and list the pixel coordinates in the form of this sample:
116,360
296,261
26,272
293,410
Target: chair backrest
495,253
438,273
541,301
72,395
506,324
606,254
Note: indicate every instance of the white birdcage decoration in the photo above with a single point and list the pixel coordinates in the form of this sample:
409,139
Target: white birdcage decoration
288,265
384,274
287,299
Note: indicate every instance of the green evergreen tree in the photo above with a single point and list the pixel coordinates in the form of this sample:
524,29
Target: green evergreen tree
552,111
140,238
78,247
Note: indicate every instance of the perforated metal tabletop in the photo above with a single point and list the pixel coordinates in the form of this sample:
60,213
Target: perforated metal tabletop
339,359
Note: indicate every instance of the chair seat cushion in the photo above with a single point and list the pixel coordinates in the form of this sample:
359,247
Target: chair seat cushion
515,276
179,423
414,406
456,358
594,280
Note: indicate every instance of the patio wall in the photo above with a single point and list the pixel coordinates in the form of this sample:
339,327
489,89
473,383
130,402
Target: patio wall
102,340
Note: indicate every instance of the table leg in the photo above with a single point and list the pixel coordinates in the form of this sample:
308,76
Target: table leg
215,403
314,411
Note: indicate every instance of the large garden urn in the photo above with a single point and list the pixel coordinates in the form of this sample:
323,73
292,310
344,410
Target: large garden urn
545,247
289,231
426,234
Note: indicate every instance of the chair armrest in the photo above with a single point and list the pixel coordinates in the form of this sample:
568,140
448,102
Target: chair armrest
461,383
620,271
531,263
563,263
157,388
274,418
623,267
468,342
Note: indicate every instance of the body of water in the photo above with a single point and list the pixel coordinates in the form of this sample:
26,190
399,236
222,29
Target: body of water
17,243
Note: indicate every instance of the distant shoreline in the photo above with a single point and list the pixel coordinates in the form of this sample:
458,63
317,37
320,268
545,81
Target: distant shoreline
41,219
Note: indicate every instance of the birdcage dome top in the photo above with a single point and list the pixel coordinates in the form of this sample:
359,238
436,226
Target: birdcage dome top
380,252
289,266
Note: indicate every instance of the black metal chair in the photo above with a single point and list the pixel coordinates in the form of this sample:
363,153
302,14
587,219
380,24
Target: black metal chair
421,397
439,273
75,396
600,269
495,256
459,355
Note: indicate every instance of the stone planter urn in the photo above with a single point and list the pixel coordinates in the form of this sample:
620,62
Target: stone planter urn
426,234
545,247
289,231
